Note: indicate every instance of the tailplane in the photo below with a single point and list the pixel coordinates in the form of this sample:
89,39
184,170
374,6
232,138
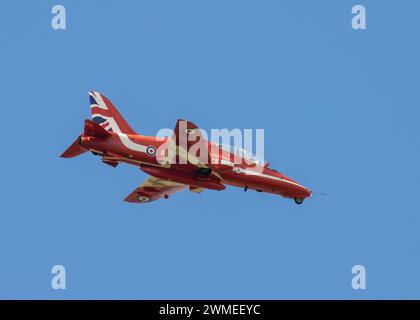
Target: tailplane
91,129
74,150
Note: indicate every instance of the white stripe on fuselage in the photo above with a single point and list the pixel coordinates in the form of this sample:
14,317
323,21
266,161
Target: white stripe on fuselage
125,140
263,175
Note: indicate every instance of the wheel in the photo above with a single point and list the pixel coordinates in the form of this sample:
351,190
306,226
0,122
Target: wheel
143,199
298,200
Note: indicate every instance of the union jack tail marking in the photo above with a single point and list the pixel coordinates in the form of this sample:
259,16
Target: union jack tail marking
106,115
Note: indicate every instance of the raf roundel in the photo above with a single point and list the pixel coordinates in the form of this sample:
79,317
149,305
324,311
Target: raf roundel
189,131
151,151
143,199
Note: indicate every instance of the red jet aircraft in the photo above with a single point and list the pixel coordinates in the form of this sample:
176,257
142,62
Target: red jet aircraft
171,162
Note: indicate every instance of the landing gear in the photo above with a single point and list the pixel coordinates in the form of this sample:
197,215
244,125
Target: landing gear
298,200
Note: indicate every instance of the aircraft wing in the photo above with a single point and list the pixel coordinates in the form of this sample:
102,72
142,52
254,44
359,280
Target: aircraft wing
154,189
187,144
190,151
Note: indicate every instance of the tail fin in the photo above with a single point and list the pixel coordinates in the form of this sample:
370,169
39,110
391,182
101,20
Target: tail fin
106,115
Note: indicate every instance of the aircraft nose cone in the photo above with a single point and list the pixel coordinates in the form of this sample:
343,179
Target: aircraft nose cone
299,190
306,192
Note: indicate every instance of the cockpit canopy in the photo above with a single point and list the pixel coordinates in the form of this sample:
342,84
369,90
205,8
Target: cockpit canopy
245,154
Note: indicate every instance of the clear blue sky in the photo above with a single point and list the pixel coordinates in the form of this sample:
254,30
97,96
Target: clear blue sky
340,109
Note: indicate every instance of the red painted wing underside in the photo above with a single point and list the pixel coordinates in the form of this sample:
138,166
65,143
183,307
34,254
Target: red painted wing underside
153,189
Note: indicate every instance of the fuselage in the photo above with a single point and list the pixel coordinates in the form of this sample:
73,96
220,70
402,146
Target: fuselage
146,152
